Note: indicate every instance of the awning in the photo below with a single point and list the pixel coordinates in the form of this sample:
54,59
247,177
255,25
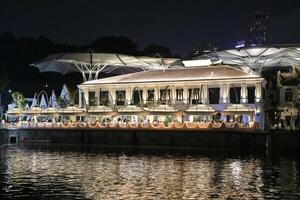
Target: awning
200,109
49,111
161,109
100,109
14,111
238,109
34,110
71,110
130,109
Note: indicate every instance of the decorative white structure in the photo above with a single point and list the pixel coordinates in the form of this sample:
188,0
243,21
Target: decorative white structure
53,100
90,65
65,93
43,103
257,57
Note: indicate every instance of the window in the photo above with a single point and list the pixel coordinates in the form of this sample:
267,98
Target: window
235,95
103,96
194,95
137,97
92,98
120,98
288,95
251,94
150,95
165,95
179,94
214,95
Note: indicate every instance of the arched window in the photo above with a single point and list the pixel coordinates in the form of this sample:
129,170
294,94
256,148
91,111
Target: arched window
120,97
150,95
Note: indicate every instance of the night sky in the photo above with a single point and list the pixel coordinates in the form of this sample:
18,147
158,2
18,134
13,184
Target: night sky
175,24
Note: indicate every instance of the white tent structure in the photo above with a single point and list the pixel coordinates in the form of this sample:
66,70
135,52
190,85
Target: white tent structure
43,103
258,57
91,64
34,102
65,93
53,100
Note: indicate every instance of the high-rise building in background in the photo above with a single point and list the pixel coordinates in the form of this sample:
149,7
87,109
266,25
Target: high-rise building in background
258,28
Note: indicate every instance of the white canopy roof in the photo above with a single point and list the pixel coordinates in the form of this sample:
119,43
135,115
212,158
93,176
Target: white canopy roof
91,64
258,57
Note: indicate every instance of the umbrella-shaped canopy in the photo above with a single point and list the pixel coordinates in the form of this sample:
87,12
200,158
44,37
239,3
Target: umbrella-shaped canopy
94,63
258,57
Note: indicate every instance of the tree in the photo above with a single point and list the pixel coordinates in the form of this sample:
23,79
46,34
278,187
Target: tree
18,99
63,102
201,48
156,50
3,80
114,44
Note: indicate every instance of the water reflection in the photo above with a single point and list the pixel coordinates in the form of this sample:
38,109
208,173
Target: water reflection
63,174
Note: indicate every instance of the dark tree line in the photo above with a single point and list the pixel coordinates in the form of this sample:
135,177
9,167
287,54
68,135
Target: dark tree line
17,53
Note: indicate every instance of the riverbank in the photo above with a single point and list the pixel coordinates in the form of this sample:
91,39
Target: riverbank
168,138
4,136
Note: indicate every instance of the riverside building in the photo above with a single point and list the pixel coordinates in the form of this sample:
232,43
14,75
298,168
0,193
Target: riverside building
197,94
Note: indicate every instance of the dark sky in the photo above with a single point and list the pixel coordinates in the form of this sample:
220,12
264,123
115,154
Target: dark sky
175,24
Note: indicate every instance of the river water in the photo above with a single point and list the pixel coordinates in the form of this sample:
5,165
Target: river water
85,172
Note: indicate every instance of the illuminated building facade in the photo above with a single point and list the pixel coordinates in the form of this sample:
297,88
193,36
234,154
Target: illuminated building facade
197,94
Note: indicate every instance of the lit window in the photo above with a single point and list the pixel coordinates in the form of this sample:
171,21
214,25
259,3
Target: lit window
179,94
150,95
120,97
165,95
92,98
104,96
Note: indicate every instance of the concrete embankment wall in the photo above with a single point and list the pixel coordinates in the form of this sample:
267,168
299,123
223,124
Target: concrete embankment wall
3,136
219,139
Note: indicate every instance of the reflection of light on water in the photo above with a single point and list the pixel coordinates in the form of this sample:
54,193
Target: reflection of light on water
110,176
236,170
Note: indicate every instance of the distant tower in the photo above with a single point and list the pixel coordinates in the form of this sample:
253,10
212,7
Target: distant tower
257,29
